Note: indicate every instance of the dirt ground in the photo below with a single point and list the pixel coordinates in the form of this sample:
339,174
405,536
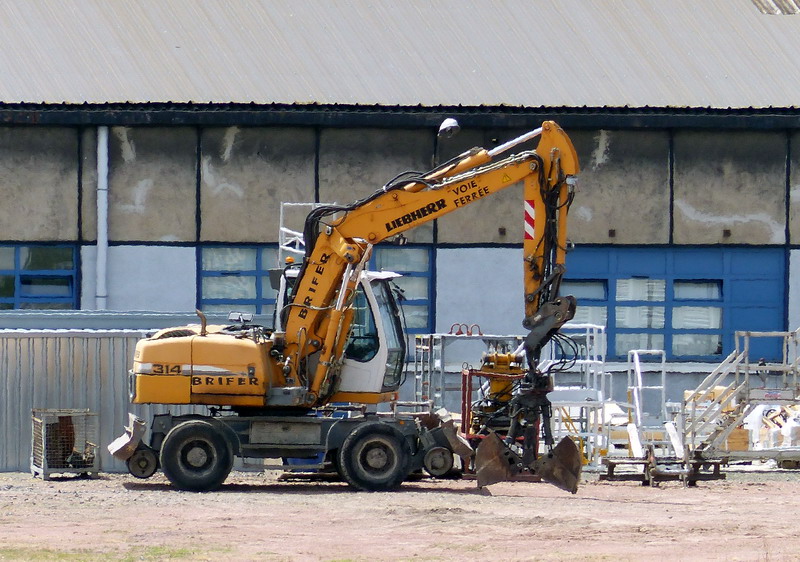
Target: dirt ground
256,516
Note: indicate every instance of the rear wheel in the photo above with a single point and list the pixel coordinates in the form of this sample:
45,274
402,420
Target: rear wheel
196,456
374,457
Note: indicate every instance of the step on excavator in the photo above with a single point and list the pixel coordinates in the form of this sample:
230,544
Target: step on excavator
310,387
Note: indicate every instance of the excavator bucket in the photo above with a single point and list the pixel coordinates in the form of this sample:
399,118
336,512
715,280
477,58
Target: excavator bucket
561,467
494,461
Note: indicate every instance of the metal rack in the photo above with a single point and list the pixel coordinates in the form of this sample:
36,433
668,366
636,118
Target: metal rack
64,442
431,368
714,410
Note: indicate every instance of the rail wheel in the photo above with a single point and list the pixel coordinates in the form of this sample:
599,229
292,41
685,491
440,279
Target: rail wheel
374,457
438,462
196,456
143,463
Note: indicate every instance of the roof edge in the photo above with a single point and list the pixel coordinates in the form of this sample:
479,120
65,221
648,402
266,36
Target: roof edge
192,114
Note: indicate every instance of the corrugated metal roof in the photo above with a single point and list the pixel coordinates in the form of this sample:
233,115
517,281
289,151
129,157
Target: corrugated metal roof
537,53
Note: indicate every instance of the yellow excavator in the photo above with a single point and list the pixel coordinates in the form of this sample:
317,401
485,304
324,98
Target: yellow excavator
309,387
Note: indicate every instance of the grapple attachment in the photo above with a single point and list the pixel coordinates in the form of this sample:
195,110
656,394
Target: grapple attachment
496,462
561,466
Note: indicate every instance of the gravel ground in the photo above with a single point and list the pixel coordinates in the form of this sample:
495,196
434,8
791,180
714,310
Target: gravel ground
752,515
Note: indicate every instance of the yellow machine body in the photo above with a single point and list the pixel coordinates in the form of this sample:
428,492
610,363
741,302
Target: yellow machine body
213,369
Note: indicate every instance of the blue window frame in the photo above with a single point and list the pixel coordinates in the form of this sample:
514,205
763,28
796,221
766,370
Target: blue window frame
414,263
38,277
237,278
687,301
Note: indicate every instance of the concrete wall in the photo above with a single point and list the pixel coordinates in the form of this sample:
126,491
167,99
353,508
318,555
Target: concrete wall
794,189
152,184
730,188
245,175
353,163
39,183
623,190
498,219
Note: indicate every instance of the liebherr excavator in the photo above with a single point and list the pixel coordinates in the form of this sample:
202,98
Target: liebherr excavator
278,393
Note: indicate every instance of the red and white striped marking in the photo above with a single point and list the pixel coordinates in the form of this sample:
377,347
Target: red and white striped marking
530,219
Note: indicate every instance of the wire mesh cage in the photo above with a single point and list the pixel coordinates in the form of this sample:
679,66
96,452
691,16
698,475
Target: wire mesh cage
64,441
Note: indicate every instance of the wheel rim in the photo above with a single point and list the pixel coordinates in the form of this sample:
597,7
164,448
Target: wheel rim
197,455
438,461
143,464
377,457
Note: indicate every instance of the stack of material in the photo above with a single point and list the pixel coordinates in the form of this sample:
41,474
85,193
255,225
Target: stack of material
775,426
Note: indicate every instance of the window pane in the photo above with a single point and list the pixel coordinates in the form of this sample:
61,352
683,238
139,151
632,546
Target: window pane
363,343
6,306
45,286
641,289
697,317
698,290
6,258
229,287
46,306
267,292
696,344
416,316
640,317
43,257
413,287
402,259
268,310
269,258
590,315
229,259
6,285
584,289
627,342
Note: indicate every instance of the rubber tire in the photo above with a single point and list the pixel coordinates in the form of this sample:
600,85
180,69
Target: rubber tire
195,456
374,457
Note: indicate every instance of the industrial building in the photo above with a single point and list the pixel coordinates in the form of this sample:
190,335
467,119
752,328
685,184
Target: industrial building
146,147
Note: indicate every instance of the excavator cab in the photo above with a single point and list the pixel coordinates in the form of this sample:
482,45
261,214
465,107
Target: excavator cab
376,349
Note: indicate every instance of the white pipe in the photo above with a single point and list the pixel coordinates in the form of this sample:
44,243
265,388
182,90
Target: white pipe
514,142
101,270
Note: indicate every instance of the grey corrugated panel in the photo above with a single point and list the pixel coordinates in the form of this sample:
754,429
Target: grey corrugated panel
66,369
106,320
537,53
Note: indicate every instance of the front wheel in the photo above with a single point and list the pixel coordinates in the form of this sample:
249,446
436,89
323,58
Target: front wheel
374,457
195,456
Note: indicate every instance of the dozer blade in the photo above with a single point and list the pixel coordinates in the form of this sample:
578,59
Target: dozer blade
561,467
124,446
494,461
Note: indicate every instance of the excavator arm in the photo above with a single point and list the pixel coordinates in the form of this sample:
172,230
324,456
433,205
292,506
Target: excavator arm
339,240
